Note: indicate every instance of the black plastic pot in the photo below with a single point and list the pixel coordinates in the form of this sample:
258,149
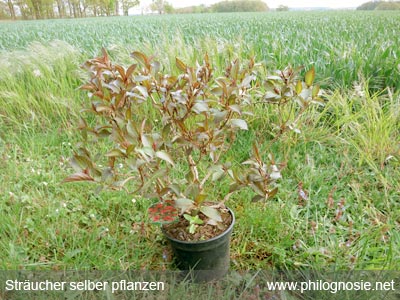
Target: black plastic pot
206,260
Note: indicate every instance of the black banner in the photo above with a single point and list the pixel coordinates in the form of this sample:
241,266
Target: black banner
248,285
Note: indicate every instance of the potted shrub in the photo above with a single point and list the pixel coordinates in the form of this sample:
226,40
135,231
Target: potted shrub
168,137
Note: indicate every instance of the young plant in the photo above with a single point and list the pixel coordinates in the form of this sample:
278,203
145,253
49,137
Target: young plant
167,135
193,222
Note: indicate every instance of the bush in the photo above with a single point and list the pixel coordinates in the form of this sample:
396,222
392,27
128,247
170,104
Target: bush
240,6
368,6
282,8
380,5
192,9
388,6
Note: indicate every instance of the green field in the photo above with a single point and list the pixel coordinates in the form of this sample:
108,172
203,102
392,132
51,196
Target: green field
347,156
343,46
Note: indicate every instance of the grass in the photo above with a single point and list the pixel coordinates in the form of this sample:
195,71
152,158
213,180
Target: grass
38,85
346,157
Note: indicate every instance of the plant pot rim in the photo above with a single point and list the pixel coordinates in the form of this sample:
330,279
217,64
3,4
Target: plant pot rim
229,229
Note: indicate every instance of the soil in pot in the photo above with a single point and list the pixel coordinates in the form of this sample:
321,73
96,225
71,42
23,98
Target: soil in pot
179,230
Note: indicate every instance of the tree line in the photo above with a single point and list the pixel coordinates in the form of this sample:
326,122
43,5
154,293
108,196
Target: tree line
50,9
162,6
380,5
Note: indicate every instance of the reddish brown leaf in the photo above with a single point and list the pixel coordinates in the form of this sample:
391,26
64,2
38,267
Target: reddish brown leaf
130,70
121,71
140,57
181,65
80,176
88,87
